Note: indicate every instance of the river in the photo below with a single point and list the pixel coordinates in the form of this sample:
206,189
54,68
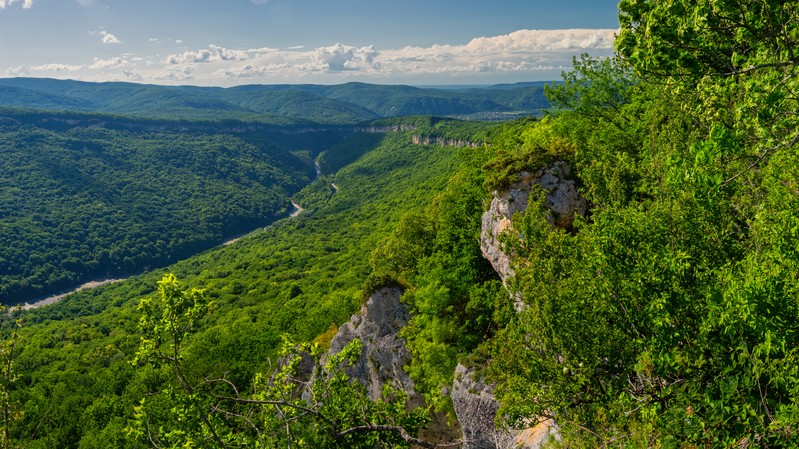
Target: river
97,283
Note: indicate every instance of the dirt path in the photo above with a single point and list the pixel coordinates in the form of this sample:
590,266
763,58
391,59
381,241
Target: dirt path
55,298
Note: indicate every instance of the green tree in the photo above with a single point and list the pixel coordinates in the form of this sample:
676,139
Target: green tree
10,322
306,402
668,317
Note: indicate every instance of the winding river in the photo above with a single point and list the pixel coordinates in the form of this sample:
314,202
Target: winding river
297,210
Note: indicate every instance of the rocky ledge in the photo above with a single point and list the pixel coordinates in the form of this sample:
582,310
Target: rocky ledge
562,199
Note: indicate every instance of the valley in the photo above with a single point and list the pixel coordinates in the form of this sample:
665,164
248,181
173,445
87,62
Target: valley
358,266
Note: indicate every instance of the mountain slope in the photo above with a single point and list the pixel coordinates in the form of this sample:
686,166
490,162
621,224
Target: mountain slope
297,277
80,199
345,103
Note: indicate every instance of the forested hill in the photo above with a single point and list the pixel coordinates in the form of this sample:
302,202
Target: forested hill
622,271
90,196
345,103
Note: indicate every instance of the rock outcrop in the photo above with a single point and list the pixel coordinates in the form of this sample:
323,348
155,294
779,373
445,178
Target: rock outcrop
384,354
563,201
418,139
477,408
383,351
474,400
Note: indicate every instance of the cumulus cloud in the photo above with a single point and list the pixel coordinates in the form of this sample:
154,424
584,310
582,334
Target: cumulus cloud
212,53
132,75
109,38
56,68
18,71
341,57
179,74
99,64
523,54
26,4
537,53
543,40
253,71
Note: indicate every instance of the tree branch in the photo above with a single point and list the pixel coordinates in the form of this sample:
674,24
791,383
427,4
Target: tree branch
388,429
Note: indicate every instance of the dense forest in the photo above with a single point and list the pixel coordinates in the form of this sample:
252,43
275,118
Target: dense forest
662,314
84,201
337,104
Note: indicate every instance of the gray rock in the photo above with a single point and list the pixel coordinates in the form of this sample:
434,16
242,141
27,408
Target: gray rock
384,354
383,351
563,202
474,401
476,408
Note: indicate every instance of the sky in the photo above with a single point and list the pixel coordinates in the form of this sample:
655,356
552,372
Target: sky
234,42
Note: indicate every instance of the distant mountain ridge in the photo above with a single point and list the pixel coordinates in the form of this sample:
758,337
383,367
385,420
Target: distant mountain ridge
342,103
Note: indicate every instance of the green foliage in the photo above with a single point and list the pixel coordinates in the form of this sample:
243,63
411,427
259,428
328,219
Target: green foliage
278,104
454,294
668,317
90,201
297,277
520,146
283,411
347,151
11,411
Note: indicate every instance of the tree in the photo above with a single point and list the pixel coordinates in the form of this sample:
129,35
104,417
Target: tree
306,402
10,322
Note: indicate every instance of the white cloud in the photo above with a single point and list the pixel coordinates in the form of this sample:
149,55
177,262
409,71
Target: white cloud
109,38
26,4
132,75
528,53
180,74
543,40
85,2
213,53
252,71
521,55
341,57
18,71
100,64
56,68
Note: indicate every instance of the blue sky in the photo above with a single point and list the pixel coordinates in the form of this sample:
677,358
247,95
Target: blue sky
231,42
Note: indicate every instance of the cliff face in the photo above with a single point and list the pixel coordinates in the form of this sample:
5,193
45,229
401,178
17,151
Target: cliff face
562,199
435,140
477,408
475,403
384,354
383,351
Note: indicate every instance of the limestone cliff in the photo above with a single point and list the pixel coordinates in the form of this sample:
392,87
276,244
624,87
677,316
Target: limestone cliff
474,400
384,354
383,351
562,199
477,408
